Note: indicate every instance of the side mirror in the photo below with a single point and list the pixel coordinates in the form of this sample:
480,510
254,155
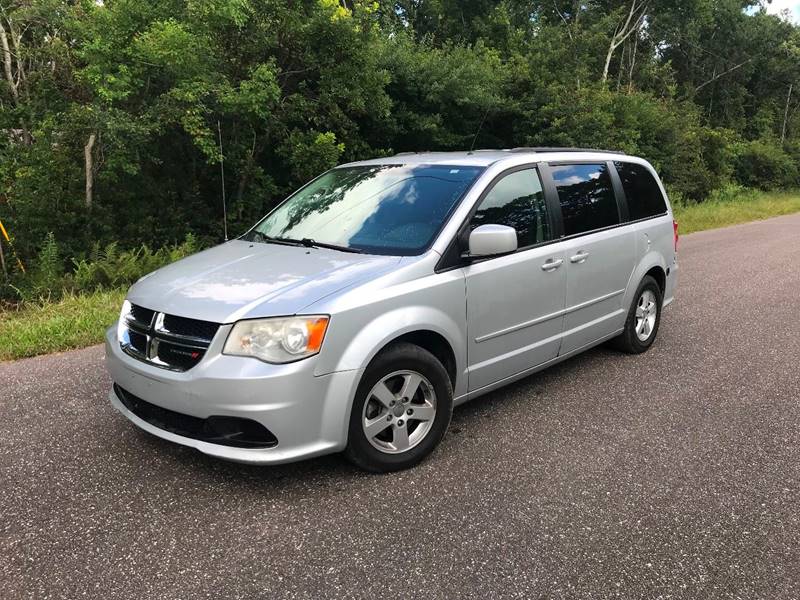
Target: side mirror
491,240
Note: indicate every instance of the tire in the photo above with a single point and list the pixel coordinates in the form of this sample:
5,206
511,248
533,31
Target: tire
630,340
400,441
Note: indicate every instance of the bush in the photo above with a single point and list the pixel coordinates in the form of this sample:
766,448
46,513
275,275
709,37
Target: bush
110,267
106,268
764,165
732,193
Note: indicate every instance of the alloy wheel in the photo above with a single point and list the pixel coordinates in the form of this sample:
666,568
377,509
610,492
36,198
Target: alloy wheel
399,412
646,313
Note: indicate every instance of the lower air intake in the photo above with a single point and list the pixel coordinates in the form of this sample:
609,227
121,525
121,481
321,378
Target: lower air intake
222,430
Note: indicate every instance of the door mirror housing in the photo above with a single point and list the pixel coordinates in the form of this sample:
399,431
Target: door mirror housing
492,240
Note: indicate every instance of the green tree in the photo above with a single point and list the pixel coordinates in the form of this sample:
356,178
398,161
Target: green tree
116,115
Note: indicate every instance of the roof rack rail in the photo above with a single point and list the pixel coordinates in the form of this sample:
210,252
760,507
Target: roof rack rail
421,152
557,149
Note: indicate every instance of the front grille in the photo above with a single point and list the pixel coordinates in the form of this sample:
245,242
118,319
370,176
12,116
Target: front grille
166,341
142,315
191,327
138,341
223,430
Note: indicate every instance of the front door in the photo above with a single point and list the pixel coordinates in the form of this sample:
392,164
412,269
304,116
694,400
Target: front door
515,303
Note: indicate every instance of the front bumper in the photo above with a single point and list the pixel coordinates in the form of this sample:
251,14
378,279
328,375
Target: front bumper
308,414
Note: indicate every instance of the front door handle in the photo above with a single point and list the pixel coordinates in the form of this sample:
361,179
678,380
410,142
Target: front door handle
552,264
579,257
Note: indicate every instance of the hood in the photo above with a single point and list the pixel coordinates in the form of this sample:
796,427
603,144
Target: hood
239,280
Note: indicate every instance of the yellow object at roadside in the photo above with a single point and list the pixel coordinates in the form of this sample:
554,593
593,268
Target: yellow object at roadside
8,239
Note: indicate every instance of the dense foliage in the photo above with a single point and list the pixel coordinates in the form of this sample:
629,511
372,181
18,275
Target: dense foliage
105,268
112,113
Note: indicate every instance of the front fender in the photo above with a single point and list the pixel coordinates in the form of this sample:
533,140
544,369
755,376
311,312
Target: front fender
368,317
379,331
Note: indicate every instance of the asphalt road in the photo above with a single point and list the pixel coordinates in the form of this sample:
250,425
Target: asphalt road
674,474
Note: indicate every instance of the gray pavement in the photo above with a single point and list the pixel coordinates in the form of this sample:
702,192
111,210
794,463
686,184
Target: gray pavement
674,474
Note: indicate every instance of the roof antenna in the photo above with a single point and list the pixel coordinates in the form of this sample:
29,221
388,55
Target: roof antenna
474,139
222,174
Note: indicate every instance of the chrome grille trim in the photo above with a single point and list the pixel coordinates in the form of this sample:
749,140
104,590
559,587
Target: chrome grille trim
177,345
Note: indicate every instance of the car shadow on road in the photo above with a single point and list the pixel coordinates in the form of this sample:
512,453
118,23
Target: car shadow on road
539,385
470,420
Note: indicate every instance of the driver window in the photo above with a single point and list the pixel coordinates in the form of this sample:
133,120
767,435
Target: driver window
517,201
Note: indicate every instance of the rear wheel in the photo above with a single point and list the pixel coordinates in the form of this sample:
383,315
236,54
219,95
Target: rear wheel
644,317
401,410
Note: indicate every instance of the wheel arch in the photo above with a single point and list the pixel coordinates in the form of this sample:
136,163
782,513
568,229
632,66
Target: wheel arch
652,264
660,275
433,342
427,327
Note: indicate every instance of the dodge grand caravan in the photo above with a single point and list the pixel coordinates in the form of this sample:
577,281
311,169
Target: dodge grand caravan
358,312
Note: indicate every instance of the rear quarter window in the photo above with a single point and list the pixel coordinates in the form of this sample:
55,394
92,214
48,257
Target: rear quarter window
642,193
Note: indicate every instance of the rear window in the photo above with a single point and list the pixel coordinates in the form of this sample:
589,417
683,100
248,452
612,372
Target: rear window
586,197
642,193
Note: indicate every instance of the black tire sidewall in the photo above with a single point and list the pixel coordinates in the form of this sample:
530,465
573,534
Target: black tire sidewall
396,358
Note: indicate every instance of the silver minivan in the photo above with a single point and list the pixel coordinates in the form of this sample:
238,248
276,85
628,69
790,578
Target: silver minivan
367,305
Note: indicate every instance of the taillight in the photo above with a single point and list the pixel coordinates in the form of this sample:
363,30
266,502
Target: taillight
675,233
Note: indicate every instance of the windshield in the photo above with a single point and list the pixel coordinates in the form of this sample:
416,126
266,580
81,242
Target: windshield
380,209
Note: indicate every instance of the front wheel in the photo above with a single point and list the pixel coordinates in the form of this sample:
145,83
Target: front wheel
644,317
401,411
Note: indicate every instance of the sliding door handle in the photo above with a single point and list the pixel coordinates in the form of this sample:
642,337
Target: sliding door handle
552,264
579,257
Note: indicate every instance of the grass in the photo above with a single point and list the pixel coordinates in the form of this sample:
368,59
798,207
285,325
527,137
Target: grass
75,321
733,206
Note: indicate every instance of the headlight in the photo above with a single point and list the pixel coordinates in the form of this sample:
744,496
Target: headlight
122,329
279,340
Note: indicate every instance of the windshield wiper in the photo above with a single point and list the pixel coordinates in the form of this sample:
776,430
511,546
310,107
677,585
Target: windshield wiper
309,243
305,242
263,238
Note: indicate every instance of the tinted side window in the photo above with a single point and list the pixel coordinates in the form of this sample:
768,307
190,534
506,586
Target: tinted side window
517,201
586,197
641,191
